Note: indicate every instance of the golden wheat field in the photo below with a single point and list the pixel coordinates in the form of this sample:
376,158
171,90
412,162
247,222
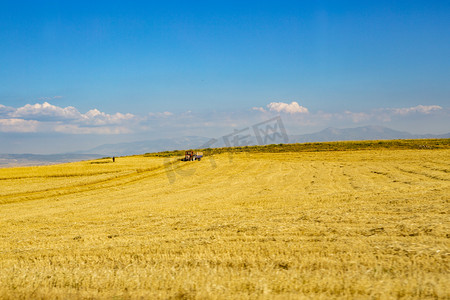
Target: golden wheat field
371,224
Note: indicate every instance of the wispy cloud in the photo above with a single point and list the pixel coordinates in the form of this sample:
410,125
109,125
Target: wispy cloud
76,129
259,109
164,114
18,125
422,109
5,111
98,118
49,98
356,117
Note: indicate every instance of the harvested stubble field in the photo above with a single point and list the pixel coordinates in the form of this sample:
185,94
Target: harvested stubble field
337,223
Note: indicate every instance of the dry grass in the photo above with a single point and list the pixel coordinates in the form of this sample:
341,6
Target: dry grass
369,224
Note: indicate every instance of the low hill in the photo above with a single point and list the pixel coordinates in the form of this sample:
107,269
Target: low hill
323,146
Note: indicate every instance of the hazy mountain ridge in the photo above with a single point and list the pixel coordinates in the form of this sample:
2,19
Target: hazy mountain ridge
327,135
140,147
192,142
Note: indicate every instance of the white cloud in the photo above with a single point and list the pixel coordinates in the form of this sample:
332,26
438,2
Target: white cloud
259,109
45,111
18,125
63,119
292,108
98,118
49,112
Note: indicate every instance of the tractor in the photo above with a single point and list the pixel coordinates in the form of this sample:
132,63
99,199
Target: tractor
191,155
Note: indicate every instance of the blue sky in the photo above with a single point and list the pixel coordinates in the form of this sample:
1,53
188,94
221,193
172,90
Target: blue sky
145,66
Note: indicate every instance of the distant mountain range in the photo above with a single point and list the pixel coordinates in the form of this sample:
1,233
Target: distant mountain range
326,135
141,147
193,142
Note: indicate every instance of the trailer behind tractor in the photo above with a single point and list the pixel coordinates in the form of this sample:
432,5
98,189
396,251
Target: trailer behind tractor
192,155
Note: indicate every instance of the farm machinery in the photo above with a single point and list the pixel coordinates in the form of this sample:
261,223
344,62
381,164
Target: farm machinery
192,155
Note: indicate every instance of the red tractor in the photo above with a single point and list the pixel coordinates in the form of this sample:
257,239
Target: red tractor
191,155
